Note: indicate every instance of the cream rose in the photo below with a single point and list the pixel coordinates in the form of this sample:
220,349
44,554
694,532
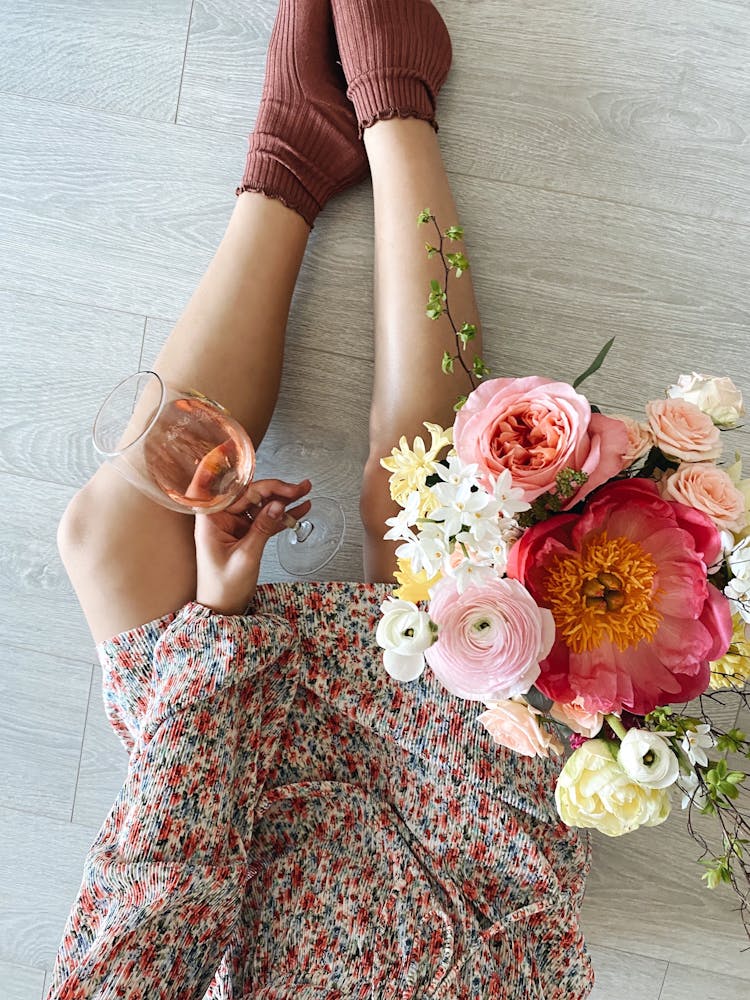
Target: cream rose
404,632
576,717
683,431
648,759
718,397
593,790
640,439
515,724
710,490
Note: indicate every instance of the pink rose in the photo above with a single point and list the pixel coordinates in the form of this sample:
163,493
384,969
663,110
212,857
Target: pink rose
535,428
513,724
708,489
683,431
640,440
490,639
576,717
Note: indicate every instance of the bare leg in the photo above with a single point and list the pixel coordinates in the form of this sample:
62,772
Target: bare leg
407,175
129,560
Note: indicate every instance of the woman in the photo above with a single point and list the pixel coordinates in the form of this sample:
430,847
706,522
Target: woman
292,822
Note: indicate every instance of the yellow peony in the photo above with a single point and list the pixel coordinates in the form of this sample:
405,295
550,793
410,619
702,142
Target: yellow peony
593,790
413,586
733,669
410,467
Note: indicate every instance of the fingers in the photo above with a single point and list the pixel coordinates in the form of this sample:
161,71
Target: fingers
261,491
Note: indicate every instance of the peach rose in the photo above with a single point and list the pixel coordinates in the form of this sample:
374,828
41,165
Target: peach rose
576,717
709,489
640,439
683,431
513,724
536,428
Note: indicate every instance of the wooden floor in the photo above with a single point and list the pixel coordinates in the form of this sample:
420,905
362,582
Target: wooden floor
600,154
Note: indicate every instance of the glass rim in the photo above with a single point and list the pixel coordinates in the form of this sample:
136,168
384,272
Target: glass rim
129,378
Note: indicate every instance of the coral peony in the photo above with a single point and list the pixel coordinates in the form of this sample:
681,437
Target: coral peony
637,622
536,428
490,639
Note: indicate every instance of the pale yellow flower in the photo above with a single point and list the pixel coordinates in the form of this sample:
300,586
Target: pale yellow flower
733,669
593,790
411,467
743,485
413,586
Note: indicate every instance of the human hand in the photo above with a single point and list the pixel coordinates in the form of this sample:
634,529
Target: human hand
229,546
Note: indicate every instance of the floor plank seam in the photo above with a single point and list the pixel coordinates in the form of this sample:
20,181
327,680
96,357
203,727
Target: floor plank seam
85,661
83,741
143,341
663,981
184,61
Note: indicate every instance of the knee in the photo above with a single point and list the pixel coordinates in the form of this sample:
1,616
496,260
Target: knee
75,541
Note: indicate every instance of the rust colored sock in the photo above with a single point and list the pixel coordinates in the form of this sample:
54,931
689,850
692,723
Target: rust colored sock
305,146
396,55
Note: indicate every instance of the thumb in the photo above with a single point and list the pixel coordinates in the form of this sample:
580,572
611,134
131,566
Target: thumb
269,521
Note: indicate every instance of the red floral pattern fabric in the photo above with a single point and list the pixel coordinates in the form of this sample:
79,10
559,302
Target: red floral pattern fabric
294,824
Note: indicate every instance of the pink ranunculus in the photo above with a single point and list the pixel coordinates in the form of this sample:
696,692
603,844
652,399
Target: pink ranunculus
490,639
577,717
709,489
637,622
640,439
515,725
683,431
536,428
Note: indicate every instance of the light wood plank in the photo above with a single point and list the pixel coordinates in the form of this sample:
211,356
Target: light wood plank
40,610
632,102
41,863
123,57
42,715
687,981
613,969
63,364
20,982
645,894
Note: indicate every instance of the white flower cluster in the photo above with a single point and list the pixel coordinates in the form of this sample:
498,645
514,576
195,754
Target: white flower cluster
738,588
469,534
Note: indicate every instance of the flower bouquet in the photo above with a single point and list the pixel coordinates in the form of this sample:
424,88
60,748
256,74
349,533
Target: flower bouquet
579,574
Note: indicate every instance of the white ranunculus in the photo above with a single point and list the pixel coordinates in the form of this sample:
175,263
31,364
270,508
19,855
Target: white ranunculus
648,759
404,627
718,397
403,668
739,559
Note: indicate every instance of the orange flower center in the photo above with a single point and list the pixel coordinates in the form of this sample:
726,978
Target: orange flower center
606,591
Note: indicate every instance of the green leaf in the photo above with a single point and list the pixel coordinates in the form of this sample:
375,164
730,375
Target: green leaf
731,742
467,332
447,364
424,216
454,233
457,261
434,311
435,287
595,364
431,250
459,403
480,368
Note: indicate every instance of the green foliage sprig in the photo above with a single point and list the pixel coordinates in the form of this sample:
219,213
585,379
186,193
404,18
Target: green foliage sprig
438,305
567,484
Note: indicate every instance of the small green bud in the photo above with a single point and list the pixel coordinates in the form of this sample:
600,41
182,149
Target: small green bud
459,403
447,363
457,261
480,368
424,216
454,233
467,332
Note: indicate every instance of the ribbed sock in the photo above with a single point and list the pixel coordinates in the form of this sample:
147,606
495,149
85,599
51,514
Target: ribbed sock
396,55
305,146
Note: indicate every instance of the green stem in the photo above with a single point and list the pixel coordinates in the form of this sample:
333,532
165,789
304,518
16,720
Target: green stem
616,726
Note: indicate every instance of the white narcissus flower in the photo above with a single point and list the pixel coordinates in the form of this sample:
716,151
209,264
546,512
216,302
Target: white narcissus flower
688,785
738,592
404,632
718,397
648,758
738,559
510,497
400,526
696,742
457,472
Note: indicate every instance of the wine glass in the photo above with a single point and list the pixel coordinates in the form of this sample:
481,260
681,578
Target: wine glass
186,452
